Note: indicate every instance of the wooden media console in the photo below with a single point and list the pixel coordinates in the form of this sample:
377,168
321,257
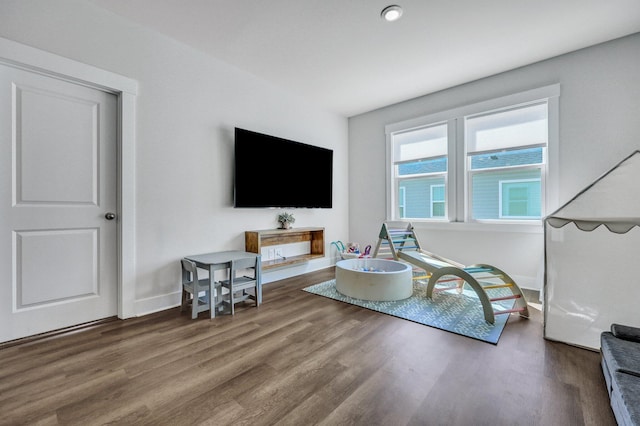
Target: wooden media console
254,241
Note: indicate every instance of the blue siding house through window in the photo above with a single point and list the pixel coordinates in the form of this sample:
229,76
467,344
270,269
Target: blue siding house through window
486,193
417,192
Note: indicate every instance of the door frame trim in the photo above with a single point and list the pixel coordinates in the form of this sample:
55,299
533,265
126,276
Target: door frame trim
21,56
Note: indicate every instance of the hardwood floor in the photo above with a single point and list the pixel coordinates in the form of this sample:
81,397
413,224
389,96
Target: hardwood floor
299,359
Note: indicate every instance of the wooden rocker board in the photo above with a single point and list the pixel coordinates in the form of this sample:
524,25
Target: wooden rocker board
399,240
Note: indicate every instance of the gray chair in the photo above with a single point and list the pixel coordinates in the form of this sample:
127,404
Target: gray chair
239,286
192,286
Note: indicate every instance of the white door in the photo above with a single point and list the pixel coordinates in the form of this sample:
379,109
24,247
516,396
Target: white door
58,253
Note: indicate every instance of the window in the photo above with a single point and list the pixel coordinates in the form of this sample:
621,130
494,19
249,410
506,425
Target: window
437,201
420,165
486,162
520,199
401,200
508,144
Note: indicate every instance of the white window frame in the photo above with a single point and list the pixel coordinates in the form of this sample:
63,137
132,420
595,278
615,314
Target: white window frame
431,201
501,197
524,167
458,214
397,179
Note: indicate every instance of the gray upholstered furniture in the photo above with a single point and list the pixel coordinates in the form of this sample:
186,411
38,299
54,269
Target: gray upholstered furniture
620,350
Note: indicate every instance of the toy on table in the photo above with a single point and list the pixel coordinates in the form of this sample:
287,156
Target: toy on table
351,251
366,253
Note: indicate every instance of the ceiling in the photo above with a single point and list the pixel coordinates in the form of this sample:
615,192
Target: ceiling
342,56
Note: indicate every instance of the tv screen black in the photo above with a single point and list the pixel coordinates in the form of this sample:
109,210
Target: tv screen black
276,172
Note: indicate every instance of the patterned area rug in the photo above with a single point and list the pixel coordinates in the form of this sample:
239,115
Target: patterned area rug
450,311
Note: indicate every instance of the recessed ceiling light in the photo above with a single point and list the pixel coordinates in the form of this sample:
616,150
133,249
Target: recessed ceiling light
391,13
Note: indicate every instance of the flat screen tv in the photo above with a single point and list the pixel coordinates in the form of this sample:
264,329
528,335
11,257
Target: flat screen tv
276,172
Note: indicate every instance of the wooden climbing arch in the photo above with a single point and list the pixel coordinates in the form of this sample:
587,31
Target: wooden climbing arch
398,241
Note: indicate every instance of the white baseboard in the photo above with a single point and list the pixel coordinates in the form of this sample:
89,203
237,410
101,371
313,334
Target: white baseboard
163,302
167,301
154,304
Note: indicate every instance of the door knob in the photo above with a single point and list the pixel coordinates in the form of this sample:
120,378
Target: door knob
110,216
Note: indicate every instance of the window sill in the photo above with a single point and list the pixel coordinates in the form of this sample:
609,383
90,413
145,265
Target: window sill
520,228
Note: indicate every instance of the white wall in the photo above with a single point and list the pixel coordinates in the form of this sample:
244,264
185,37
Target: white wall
187,107
599,126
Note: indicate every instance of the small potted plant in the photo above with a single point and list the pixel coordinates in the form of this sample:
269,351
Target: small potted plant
286,219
